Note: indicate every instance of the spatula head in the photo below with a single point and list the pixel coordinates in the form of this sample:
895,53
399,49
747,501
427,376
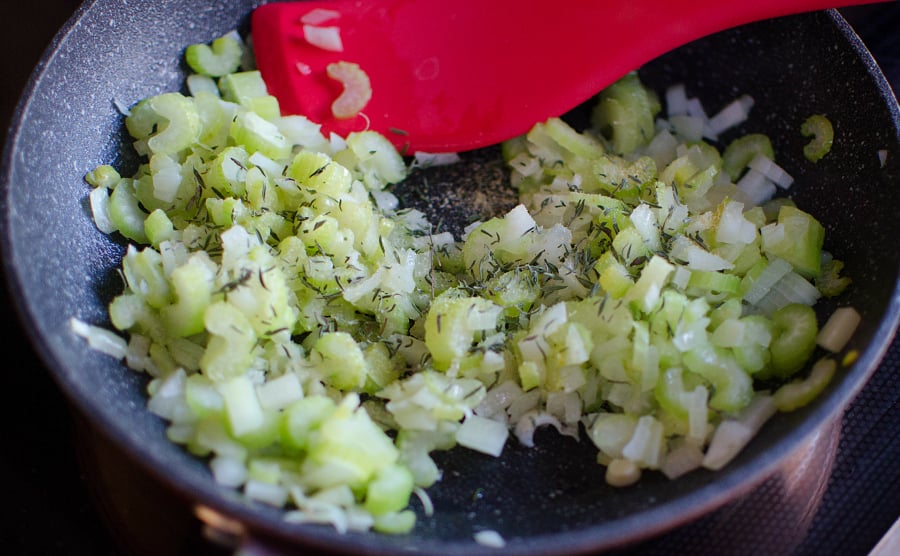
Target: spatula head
444,76
458,75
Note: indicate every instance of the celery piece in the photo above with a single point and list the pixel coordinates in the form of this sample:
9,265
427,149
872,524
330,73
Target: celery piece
240,86
125,213
227,172
257,134
629,245
451,324
611,432
347,449
389,490
625,111
753,353
732,386
515,291
301,418
220,58
229,350
375,160
192,284
831,283
223,212
158,227
797,237
530,375
793,338
708,281
169,122
215,118
738,154
820,129
202,397
99,199
625,180
646,290
244,412
688,406
799,393
319,172
395,523
381,367
341,360
104,176
145,276
614,276
578,144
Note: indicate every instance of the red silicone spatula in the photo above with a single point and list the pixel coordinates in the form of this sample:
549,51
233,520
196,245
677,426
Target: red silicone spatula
454,75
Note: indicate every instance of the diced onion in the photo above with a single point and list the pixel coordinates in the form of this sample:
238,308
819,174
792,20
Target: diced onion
228,471
676,100
483,435
731,115
756,186
838,329
681,460
272,494
99,198
728,440
318,16
278,393
326,38
100,339
775,271
772,171
690,128
489,538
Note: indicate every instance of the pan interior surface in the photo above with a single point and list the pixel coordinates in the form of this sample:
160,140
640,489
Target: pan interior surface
550,499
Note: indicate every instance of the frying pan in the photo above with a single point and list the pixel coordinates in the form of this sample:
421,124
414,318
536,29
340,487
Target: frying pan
548,500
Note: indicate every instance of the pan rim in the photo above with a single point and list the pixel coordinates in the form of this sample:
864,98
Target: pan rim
578,541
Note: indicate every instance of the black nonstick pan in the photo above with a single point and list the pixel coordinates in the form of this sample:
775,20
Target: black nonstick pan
547,500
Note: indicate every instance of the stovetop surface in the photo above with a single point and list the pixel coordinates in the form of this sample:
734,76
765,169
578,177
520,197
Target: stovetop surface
66,492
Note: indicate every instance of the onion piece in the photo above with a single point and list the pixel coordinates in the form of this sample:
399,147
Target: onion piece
731,115
357,89
326,38
767,167
676,100
100,339
489,538
483,435
318,16
839,328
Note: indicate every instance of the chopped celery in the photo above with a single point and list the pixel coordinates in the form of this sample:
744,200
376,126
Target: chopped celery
797,238
794,338
830,282
738,154
125,212
626,109
168,122
220,58
628,291
799,393
820,129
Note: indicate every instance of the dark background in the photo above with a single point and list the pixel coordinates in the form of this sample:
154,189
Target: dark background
64,491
